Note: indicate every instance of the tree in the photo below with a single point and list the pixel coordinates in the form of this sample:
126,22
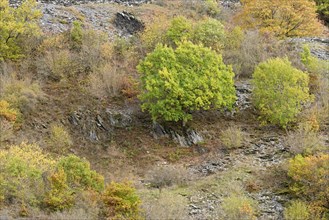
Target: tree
283,18
279,91
17,24
179,29
177,82
210,32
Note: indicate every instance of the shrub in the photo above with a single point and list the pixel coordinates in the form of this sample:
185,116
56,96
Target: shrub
304,141
245,52
165,206
108,82
239,207
210,33
60,140
60,64
233,137
6,112
21,95
8,118
21,171
160,177
283,18
154,33
297,210
6,130
211,7
279,91
59,196
177,82
310,178
17,24
121,201
33,179
79,175
179,29
76,35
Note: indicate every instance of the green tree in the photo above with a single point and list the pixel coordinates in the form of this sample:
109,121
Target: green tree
17,24
179,29
177,82
210,32
279,91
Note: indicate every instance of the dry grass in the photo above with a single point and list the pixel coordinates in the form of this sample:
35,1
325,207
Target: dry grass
165,176
305,141
167,205
233,137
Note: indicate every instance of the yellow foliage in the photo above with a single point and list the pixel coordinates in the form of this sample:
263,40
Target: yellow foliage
310,178
17,24
7,112
283,18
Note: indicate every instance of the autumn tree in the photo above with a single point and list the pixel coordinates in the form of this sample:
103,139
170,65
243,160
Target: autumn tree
178,81
17,24
283,18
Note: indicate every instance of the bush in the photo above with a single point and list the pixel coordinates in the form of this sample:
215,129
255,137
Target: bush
154,33
279,91
21,171
76,35
121,202
177,82
179,29
60,64
60,140
309,177
239,207
79,175
165,206
210,33
21,95
59,197
6,112
304,141
160,177
108,82
8,118
297,210
6,130
16,25
233,137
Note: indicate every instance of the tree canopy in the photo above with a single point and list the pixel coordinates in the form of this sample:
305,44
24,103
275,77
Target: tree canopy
15,24
283,18
177,82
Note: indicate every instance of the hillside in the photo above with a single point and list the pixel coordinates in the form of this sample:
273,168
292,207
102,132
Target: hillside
164,109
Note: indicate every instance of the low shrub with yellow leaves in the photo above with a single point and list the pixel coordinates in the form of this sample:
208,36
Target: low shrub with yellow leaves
309,176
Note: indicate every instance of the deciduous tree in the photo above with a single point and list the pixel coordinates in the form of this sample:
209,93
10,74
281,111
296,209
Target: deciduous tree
283,18
16,23
177,82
